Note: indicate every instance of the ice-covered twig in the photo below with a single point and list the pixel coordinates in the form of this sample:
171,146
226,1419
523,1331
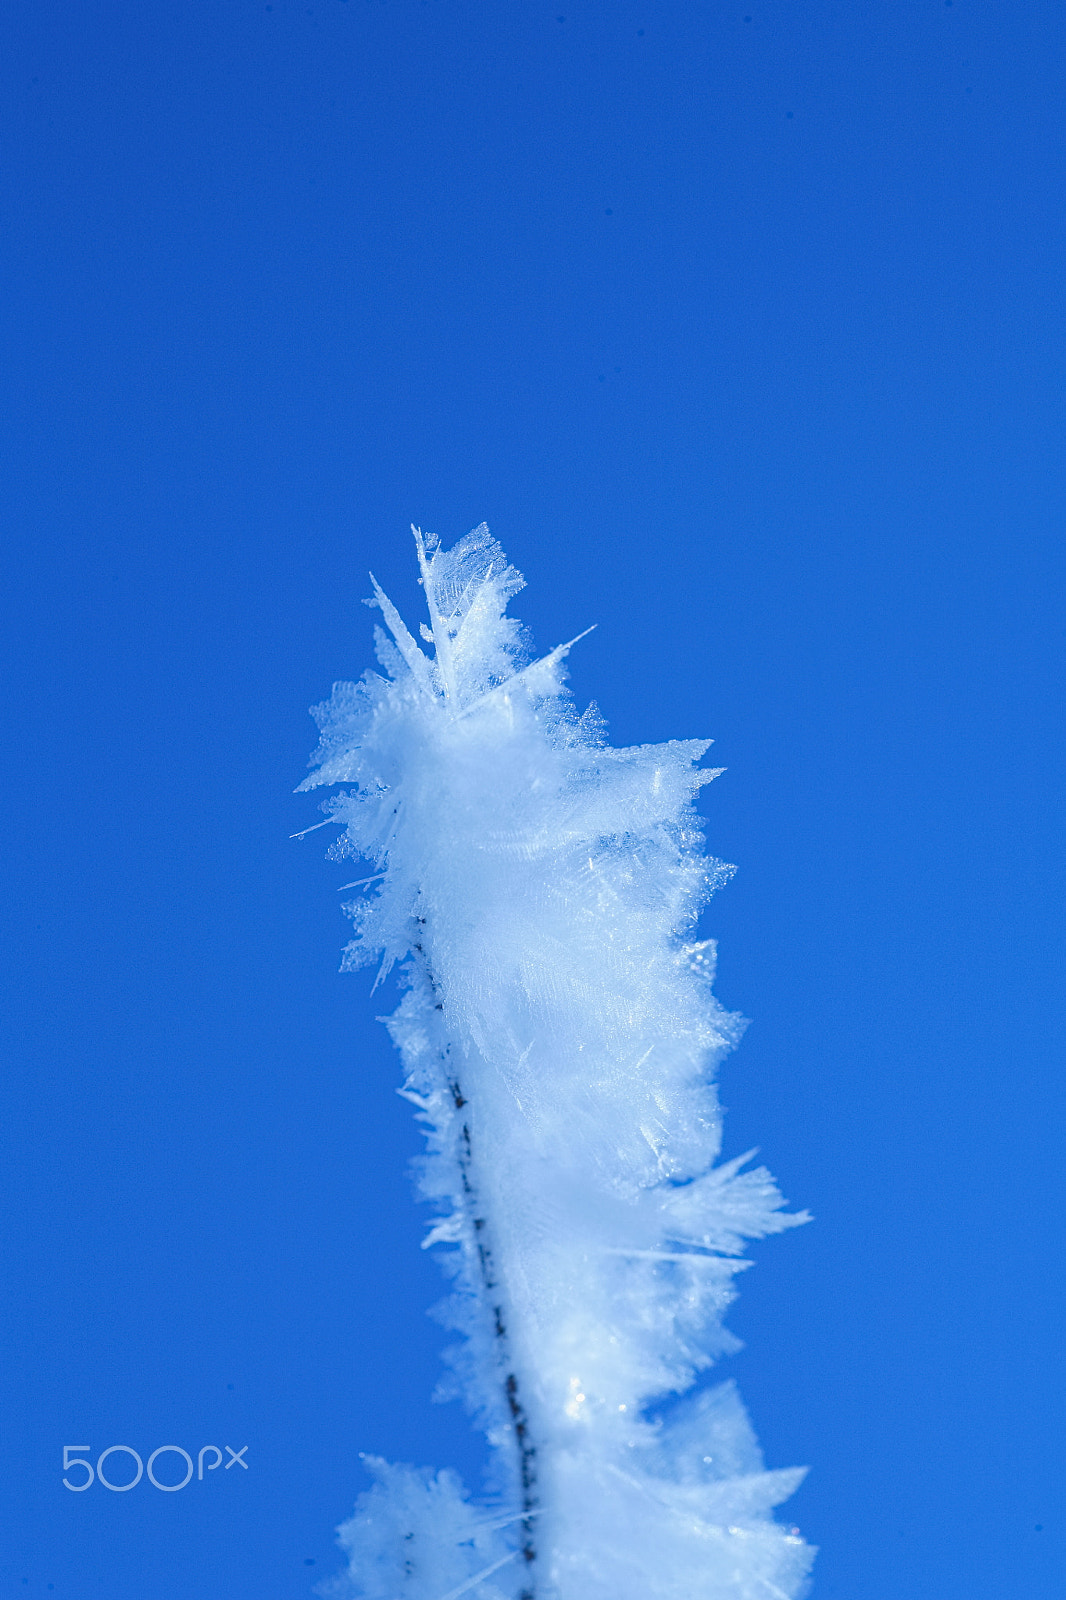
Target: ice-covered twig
559,1039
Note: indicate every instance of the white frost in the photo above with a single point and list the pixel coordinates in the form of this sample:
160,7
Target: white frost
559,1038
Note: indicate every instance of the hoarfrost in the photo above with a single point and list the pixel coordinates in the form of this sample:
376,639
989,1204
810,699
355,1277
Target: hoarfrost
559,1038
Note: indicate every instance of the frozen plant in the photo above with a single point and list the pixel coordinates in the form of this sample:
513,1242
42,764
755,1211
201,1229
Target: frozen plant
559,1039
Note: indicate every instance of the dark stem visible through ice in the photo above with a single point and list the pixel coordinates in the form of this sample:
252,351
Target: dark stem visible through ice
526,1449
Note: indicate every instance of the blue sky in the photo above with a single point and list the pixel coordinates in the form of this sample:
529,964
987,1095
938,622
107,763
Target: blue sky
742,326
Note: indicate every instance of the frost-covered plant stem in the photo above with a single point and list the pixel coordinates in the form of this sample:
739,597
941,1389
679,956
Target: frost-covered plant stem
559,1039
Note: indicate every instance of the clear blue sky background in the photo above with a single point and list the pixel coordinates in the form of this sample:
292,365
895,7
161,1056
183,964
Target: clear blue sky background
742,325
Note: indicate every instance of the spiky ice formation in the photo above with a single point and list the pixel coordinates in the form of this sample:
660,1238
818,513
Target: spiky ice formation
559,1039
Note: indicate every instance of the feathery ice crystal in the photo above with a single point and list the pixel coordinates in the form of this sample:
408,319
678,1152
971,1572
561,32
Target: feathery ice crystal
559,1039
